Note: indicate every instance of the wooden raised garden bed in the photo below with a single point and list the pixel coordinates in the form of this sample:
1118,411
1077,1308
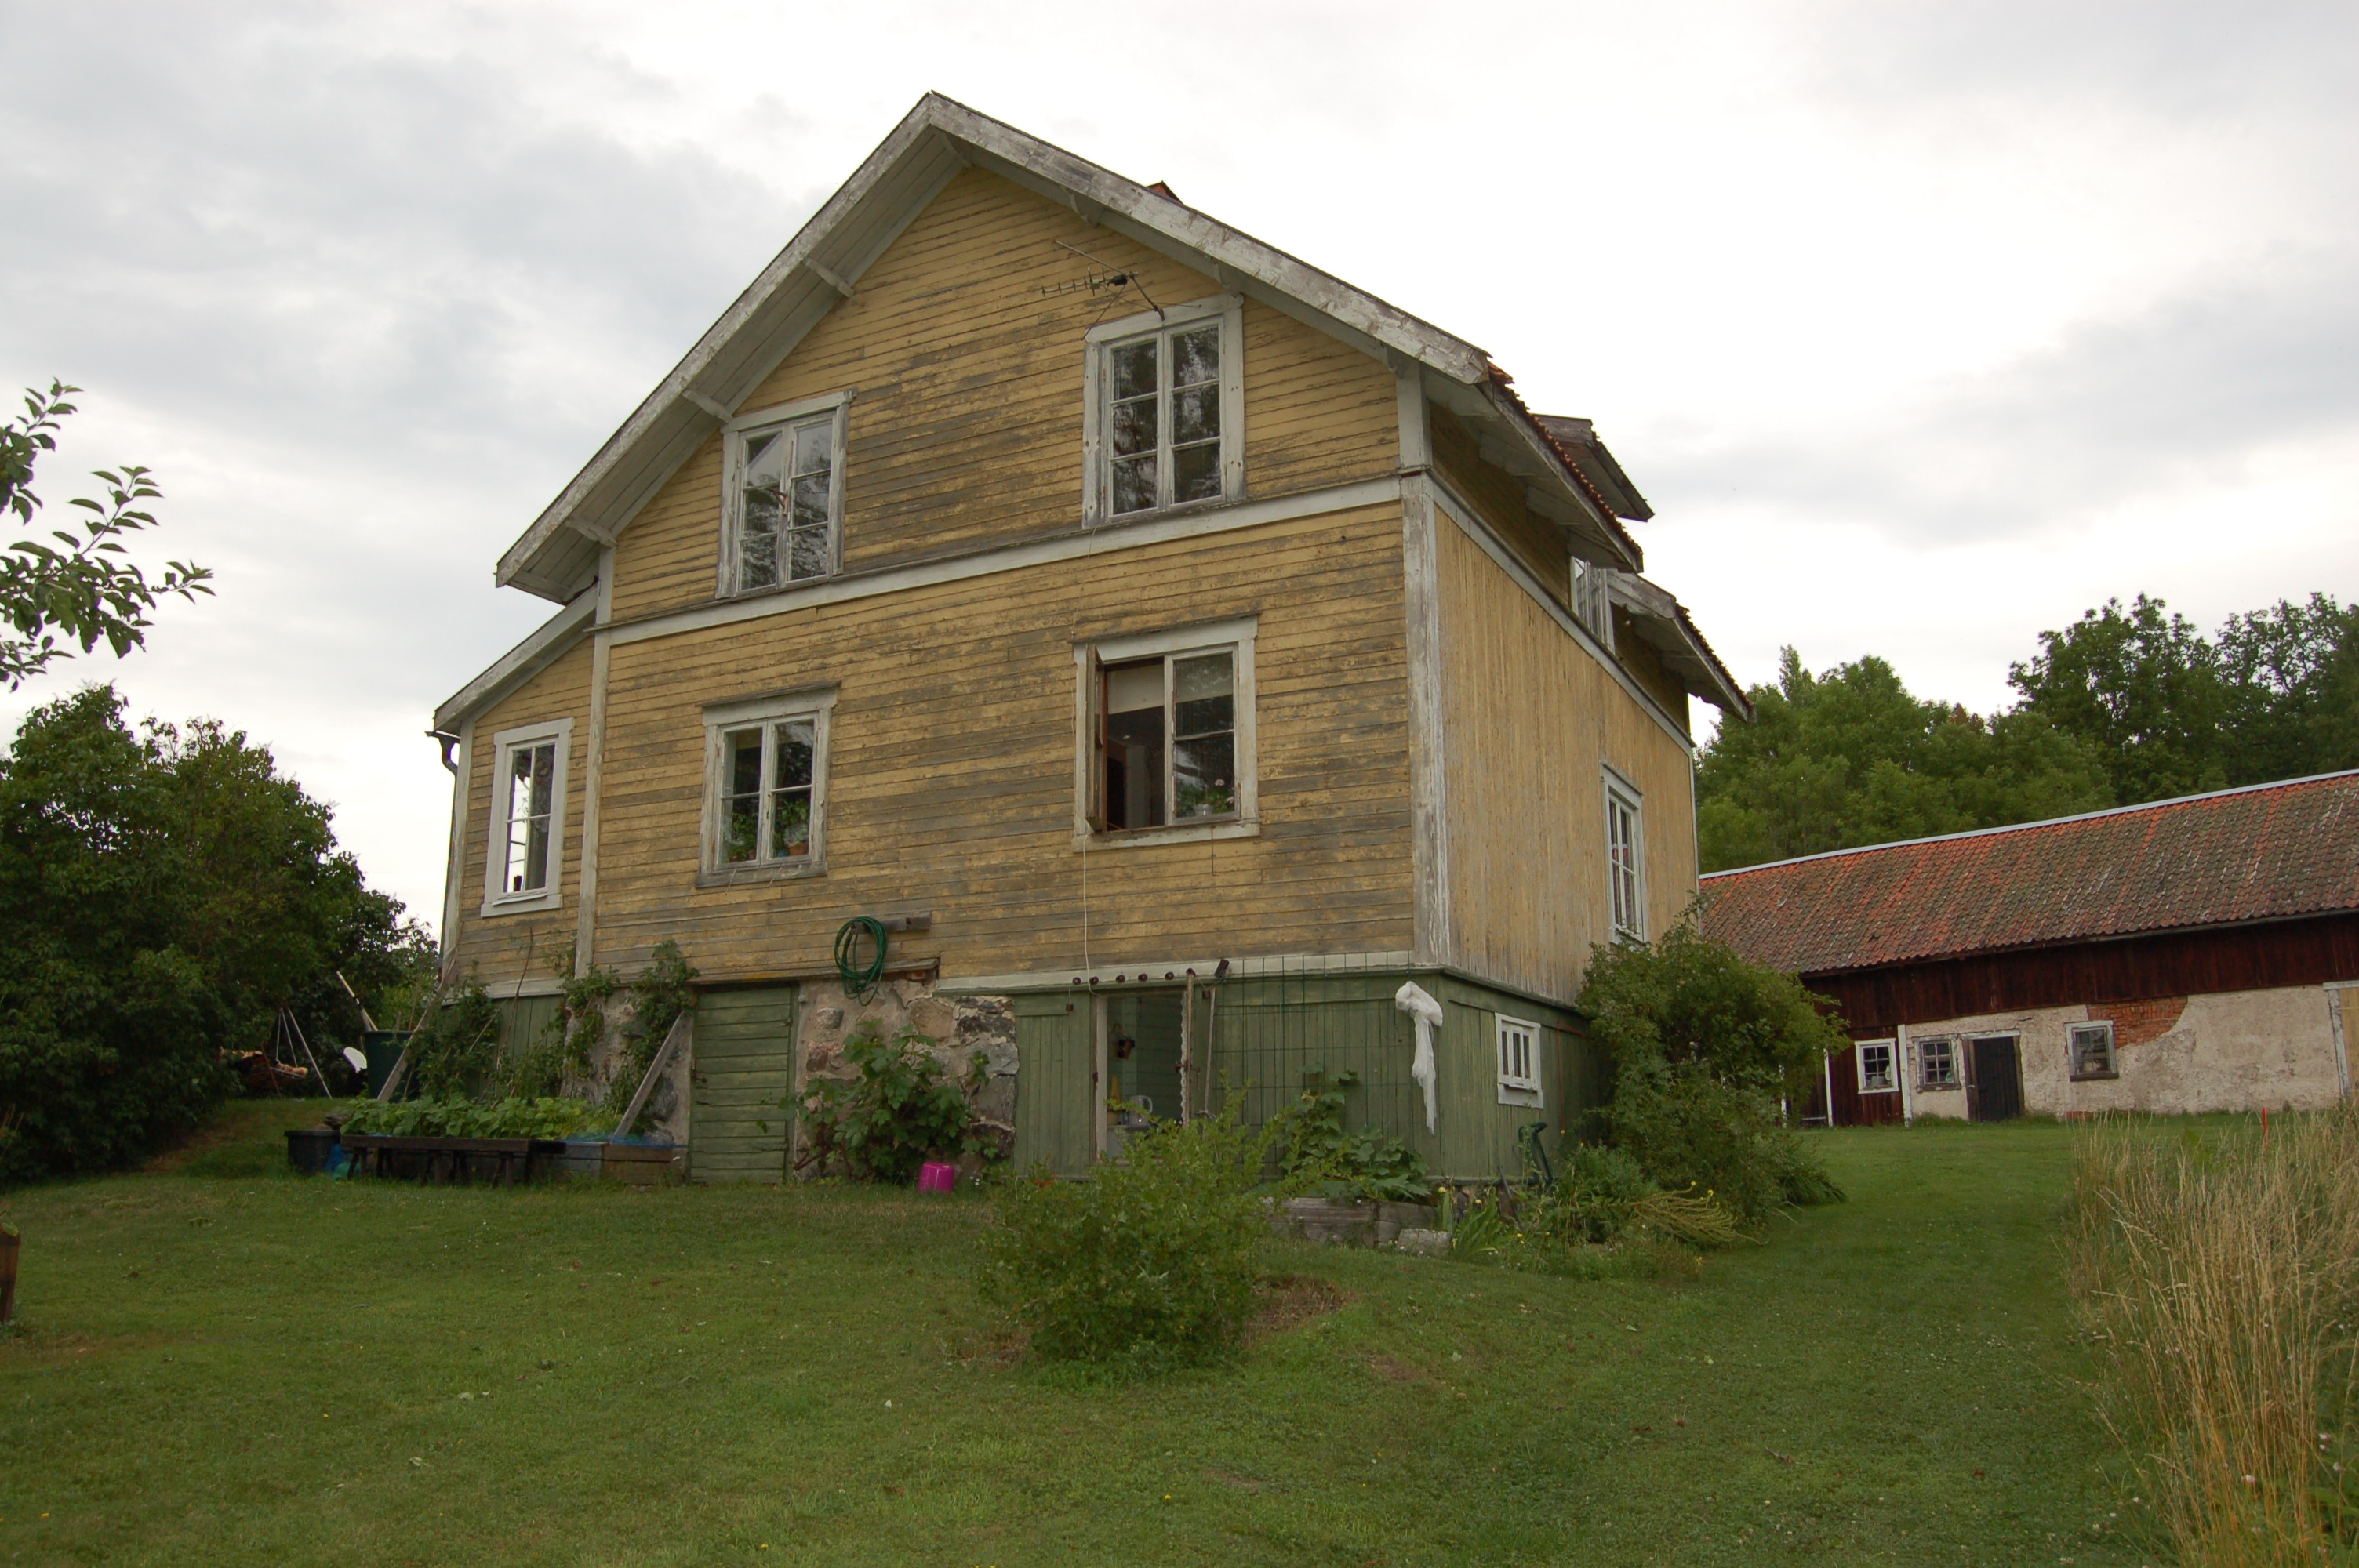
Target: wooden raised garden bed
459,1162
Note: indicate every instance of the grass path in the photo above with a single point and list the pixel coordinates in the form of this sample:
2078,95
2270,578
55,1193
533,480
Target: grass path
249,1367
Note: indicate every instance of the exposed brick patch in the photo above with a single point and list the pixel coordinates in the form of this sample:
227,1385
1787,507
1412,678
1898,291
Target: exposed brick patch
2135,1022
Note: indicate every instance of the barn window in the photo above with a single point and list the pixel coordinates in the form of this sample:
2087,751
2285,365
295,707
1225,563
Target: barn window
1877,1074
1519,1061
1163,421
523,859
1937,1064
2092,1050
1167,733
765,789
785,495
1626,881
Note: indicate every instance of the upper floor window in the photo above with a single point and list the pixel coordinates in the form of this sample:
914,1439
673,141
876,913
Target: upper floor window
1624,861
1164,416
765,786
785,495
1168,731
523,857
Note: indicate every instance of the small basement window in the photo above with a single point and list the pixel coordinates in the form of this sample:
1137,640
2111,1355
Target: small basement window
1165,410
2092,1050
1937,1064
525,856
1519,1061
765,811
1877,1074
1166,731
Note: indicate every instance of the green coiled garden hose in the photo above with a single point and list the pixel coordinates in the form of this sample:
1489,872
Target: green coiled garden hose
860,976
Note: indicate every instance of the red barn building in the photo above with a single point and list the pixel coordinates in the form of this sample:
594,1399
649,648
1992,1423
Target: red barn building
2191,955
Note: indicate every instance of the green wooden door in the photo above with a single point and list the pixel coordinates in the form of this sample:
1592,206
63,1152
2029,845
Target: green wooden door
742,1067
1056,1096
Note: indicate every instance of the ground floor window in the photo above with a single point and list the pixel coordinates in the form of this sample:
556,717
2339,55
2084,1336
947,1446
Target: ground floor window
766,791
1876,1072
1519,1061
1937,1064
2092,1050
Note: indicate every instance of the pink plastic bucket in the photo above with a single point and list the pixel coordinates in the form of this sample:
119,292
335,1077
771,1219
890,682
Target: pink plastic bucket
936,1177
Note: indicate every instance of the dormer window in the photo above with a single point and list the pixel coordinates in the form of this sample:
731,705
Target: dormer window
1164,424
784,497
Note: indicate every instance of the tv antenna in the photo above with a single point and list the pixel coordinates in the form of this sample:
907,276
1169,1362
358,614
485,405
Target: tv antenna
1109,280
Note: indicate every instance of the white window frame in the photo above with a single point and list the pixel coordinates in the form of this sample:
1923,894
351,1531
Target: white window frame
1957,1078
817,706
1891,1049
1234,637
505,745
1620,791
809,410
2103,1026
1097,469
1517,1042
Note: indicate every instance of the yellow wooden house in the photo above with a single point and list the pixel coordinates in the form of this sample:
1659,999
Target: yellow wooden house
1178,649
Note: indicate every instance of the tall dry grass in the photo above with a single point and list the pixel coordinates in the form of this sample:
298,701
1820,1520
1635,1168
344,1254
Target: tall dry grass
2216,1273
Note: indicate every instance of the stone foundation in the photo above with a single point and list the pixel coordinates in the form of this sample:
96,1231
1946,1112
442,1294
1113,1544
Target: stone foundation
959,1026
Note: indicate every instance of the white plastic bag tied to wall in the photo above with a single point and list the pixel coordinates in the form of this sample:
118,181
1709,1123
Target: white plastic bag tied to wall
1412,999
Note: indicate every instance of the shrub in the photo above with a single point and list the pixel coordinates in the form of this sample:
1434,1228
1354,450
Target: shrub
1146,1266
516,1117
1700,1044
457,1049
903,1109
658,997
1322,1155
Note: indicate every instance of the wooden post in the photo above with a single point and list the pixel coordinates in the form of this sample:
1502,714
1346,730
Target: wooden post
1187,1041
673,1037
425,1015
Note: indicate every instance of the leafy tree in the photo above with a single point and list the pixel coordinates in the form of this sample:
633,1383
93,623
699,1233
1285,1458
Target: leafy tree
2144,688
1850,757
2291,678
163,892
78,587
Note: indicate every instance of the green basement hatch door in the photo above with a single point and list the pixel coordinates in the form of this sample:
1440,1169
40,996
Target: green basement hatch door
744,1068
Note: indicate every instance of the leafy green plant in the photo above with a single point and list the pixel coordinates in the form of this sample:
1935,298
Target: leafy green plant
1322,1154
902,1109
1149,1265
459,1048
658,997
517,1116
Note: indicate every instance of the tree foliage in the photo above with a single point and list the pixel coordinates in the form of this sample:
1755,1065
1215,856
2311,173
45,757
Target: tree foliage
76,588
163,892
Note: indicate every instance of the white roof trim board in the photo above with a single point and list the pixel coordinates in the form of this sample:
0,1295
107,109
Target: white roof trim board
556,557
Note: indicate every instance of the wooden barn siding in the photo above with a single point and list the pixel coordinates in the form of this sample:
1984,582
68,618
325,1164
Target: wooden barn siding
952,770
526,945
1529,718
2172,964
1536,541
966,428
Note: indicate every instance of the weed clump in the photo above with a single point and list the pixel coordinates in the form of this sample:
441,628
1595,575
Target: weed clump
1145,1267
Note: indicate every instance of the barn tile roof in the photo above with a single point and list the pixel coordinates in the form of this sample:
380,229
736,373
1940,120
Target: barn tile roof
2265,852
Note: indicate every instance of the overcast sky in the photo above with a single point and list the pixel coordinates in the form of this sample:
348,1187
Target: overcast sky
1923,326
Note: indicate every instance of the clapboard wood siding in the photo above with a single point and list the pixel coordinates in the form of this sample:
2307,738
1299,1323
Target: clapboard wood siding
951,773
1531,718
526,945
1537,543
966,427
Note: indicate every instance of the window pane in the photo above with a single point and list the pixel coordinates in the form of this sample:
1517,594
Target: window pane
793,760
1130,687
790,823
757,559
1196,356
761,506
810,494
1196,414
1134,426
1202,691
1134,369
814,445
1196,472
1134,792
742,817
1134,483
807,553
1203,776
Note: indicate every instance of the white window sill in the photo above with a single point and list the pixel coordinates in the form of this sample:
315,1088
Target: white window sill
520,905
1509,1095
760,871
1178,509
1178,833
1936,1088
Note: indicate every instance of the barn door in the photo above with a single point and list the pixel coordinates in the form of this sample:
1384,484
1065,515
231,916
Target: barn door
742,1068
1997,1088
1058,1106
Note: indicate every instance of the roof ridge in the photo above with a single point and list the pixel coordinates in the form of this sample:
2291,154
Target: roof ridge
2043,822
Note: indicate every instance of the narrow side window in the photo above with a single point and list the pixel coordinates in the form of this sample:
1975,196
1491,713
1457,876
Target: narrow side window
1624,864
524,852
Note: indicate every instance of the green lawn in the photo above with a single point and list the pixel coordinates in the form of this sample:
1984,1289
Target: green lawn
222,1363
